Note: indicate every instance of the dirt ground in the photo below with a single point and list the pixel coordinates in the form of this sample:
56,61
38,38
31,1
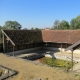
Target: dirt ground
31,71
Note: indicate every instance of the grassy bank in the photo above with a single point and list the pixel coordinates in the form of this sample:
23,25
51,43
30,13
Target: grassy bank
56,62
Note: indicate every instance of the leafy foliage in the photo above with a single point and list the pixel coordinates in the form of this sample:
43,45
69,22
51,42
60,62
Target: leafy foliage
61,25
56,24
11,25
35,28
75,23
64,25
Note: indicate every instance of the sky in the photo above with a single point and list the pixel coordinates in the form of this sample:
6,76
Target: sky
38,13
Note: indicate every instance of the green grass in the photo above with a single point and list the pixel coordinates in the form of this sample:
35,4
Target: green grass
57,62
76,75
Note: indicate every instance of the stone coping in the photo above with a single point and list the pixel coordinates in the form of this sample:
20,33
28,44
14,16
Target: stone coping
7,73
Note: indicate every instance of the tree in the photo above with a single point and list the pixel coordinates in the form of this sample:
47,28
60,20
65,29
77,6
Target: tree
56,24
32,28
12,25
64,25
75,23
78,22
25,29
35,28
0,27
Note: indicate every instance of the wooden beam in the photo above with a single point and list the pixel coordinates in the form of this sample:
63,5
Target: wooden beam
72,46
72,59
8,37
61,47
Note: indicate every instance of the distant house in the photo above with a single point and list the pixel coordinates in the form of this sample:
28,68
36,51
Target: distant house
47,28
22,40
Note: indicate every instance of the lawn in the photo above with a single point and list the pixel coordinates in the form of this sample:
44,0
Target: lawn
56,62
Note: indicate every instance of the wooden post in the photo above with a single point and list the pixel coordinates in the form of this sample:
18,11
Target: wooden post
3,43
66,45
7,39
13,50
46,44
72,59
42,47
61,47
7,45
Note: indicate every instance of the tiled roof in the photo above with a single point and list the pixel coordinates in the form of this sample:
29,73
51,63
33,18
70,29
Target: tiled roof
31,36
24,36
61,36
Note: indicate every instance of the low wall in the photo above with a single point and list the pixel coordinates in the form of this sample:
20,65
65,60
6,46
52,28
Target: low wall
77,51
24,51
47,48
